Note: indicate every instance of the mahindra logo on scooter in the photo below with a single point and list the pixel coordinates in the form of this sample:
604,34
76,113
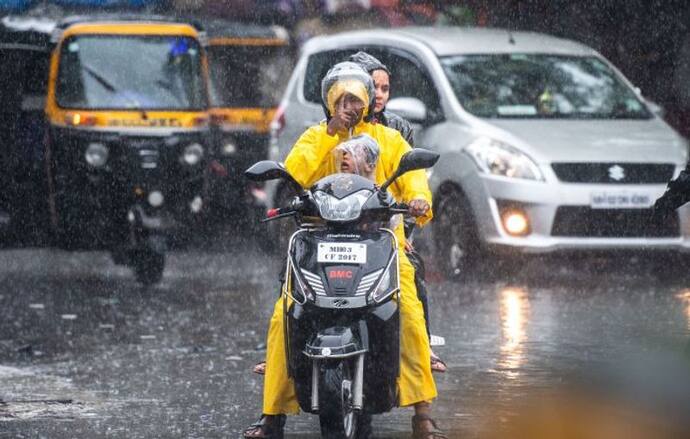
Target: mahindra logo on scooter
340,274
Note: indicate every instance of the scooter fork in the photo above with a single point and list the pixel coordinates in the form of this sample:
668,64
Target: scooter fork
358,384
358,391
315,385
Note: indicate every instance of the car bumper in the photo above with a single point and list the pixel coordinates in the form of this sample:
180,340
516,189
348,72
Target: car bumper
560,217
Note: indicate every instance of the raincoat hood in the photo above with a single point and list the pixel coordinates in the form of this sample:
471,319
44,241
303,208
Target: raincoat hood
364,153
347,77
368,62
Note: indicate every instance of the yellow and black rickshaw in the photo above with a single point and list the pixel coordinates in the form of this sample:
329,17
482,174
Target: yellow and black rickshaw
128,136
248,66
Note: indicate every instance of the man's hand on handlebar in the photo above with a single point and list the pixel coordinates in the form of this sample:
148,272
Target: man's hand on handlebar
418,207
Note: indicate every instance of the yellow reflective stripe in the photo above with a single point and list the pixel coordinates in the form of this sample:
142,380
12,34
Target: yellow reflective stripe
130,119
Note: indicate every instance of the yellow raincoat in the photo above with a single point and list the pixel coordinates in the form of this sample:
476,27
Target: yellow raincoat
310,160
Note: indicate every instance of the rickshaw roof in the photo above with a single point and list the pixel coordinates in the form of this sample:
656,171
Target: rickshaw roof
125,18
116,26
40,32
223,32
26,32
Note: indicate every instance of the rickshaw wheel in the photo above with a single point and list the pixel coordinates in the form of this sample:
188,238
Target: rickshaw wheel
148,267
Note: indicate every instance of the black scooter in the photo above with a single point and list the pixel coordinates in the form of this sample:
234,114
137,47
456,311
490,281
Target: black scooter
342,276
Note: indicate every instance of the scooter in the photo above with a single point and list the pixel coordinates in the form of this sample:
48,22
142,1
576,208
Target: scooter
342,322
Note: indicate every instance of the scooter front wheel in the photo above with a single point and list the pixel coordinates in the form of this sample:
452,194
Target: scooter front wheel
337,417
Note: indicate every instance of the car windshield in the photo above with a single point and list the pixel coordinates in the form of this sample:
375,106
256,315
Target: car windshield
541,86
247,76
99,72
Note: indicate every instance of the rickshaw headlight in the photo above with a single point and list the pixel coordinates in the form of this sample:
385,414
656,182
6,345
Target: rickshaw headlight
96,154
230,147
193,154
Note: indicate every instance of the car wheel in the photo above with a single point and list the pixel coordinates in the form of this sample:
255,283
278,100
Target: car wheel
457,248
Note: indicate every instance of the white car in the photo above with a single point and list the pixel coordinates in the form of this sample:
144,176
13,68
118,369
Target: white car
544,144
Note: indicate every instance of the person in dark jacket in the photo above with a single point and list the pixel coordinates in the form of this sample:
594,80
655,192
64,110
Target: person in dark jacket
381,76
677,193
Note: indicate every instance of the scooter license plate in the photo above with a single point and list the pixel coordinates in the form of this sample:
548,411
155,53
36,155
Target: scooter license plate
341,253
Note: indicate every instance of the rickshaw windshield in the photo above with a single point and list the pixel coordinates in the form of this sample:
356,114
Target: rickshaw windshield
100,72
247,76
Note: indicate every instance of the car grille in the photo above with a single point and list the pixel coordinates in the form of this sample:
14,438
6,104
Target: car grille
614,173
583,221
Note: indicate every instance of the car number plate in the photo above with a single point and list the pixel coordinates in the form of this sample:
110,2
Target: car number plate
342,253
620,200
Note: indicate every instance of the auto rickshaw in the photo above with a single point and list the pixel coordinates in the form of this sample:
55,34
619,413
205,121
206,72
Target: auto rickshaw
25,53
128,136
248,66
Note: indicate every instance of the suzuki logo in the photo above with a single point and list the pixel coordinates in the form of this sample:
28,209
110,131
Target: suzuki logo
340,274
340,303
616,173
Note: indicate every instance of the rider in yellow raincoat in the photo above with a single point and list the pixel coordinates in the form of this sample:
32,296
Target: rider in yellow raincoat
348,96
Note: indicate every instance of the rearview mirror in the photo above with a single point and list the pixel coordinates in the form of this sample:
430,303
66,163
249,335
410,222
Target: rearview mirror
269,170
411,109
417,158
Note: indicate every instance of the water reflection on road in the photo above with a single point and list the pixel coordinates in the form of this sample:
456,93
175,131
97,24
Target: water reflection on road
174,361
514,304
684,298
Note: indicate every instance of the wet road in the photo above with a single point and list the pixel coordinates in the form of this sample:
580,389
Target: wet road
85,352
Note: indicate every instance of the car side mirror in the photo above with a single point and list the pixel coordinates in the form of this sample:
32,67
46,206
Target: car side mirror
269,170
411,109
417,158
655,108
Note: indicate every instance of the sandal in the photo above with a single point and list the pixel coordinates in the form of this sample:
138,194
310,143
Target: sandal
419,433
260,368
266,429
437,365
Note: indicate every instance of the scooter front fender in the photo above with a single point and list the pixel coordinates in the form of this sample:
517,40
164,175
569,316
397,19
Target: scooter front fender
337,342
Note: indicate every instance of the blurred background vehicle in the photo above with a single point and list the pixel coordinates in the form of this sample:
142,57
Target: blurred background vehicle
127,142
248,67
25,50
545,145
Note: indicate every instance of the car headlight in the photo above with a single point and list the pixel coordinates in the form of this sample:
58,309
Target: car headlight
498,158
96,154
346,209
193,154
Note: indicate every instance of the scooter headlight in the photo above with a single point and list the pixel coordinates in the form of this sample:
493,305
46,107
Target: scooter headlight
193,154
346,209
96,154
